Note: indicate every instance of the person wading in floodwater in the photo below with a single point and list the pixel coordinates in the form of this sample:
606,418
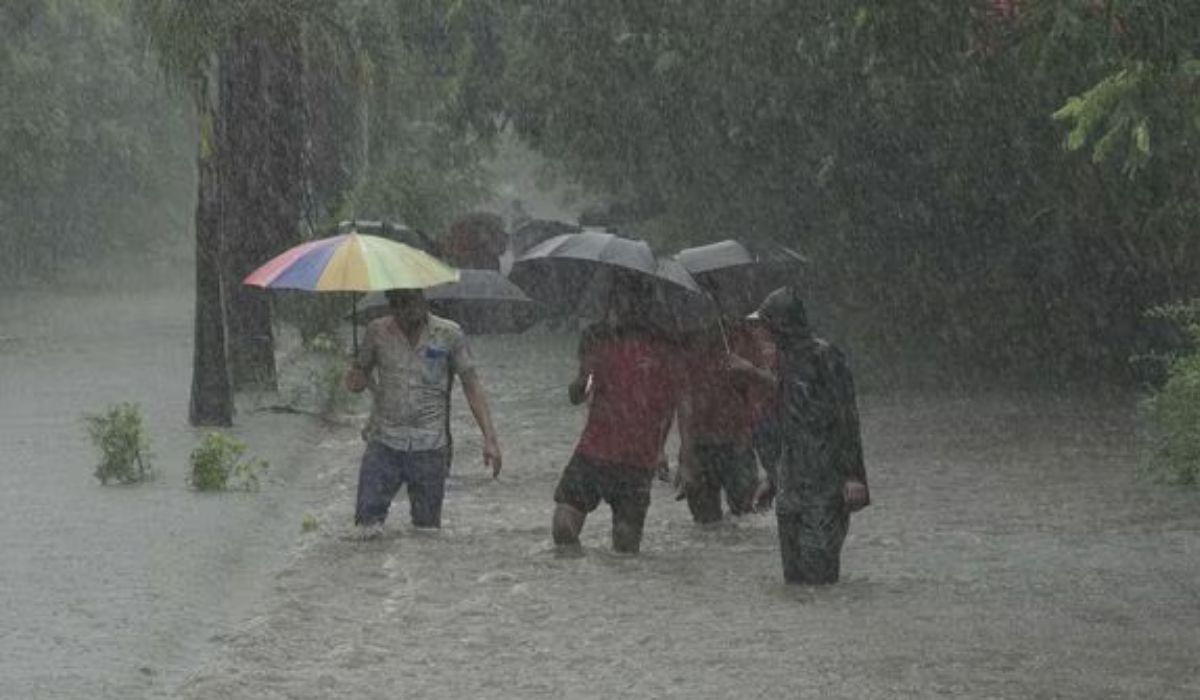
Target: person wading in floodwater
820,477
721,423
408,360
632,376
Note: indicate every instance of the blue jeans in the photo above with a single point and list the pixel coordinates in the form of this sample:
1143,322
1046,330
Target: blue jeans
384,470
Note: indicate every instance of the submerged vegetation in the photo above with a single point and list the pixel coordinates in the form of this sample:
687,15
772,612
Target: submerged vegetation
218,464
1173,410
120,436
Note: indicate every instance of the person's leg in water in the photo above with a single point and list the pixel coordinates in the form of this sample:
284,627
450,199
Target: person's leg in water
379,478
567,524
576,495
810,544
628,495
737,472
702,487
426,477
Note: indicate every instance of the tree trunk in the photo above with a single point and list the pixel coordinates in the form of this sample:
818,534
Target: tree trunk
212,397
262,111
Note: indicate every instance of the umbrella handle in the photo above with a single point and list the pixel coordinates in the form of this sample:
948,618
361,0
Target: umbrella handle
354,322
724,336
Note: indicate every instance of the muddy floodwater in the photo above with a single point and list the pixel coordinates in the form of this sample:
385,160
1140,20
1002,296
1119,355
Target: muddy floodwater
1011,553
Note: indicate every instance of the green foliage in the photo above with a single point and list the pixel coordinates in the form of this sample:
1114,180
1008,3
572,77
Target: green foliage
328,375
1173,411
95,151
309,523
423,118
907,146
313,315
124,448
217,465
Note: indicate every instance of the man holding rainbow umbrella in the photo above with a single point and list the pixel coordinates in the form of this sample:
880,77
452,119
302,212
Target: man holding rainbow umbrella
408,360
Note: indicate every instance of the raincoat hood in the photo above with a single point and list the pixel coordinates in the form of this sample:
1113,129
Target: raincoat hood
783,313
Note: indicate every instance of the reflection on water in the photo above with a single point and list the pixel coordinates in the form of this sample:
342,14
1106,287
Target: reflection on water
1010,553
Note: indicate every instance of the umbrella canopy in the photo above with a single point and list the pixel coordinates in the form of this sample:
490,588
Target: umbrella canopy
559,270
352,262
735,276
534,231
482,301
574,273
479,285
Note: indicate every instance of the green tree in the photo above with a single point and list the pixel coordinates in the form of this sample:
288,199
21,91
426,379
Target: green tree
92,143
906,145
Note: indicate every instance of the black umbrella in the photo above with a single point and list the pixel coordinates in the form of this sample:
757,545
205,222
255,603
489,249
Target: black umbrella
482,301
737,277
563,271
535,231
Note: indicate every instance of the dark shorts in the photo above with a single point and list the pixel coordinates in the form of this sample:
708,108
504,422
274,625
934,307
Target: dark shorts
384,470
585,482
730,468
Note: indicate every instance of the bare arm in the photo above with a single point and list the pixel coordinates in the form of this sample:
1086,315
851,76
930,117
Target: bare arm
477,400
748,370
577,391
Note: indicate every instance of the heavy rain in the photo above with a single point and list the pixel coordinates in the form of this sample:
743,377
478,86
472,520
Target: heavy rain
580,349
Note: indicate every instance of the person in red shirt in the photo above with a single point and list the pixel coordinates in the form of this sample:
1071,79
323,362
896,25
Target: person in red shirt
763,396
630,375
720,457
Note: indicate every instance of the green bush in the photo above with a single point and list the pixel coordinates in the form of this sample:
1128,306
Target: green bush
1173,411
124,447
313,315
218,461
328,375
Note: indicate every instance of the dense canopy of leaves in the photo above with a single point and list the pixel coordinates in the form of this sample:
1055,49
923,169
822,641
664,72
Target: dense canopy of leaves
94,151
980,183
910,146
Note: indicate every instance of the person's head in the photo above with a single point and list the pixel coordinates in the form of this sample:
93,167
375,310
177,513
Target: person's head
408,306
630,298
783,314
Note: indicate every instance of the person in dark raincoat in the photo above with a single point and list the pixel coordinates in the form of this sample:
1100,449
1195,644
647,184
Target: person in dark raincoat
820,477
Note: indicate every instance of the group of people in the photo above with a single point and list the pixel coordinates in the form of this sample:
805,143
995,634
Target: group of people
761,390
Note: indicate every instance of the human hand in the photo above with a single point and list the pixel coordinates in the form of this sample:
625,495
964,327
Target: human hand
737,363
854,493
491,456
580,389
764,495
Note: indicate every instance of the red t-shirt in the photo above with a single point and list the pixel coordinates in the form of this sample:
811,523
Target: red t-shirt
763,399
635,390
723,404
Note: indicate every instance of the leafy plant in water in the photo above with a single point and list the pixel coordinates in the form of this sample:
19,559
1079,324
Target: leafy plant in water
309,523
217,465
124,447
1173,412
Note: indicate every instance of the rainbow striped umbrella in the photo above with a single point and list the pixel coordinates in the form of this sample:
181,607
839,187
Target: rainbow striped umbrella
352,262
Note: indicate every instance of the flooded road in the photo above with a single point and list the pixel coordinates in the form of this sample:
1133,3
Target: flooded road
115,592
1011,553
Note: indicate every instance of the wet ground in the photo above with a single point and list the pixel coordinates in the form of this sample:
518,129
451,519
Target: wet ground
1011,553
116,592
